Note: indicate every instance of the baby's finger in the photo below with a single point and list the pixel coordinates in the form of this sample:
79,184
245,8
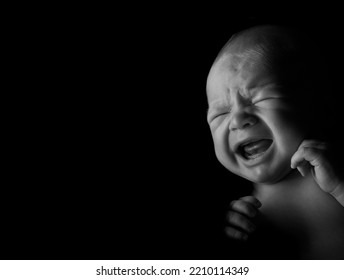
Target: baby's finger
311,155
235,234
244,207
313,144
240,221
304,168
251,199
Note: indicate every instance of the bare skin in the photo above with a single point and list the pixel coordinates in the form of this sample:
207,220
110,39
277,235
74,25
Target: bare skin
301,209
258,136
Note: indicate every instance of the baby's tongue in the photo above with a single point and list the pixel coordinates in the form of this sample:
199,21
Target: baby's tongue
257,147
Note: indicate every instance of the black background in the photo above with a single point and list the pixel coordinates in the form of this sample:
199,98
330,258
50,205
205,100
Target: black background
110,154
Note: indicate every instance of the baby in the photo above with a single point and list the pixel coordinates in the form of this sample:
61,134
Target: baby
264,90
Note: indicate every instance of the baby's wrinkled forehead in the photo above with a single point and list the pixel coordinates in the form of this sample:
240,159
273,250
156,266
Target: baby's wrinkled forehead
248,60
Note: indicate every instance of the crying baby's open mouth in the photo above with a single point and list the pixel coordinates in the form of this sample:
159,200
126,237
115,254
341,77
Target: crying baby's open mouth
254,149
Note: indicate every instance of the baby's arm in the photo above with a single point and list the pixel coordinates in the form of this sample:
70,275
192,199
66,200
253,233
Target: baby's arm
313,155
240,216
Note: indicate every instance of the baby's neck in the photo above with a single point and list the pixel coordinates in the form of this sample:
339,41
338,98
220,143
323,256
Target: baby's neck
293,185
294,192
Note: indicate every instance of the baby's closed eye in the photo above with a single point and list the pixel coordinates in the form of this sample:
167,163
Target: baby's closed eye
269,102
216,114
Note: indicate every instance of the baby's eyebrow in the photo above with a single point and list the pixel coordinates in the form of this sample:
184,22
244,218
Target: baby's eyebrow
218,103
254,90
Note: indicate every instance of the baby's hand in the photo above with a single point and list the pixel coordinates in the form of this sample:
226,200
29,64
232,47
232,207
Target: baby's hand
240,217
313,156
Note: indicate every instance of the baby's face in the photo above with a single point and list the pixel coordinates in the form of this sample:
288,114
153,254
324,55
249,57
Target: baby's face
253,124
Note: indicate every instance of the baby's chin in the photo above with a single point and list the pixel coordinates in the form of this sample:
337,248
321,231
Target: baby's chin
266,177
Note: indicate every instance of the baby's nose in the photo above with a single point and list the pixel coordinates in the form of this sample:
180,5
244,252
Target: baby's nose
241,120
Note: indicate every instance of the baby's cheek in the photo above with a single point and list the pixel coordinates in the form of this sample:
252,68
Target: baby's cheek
222,150
227,158
221,144
291,141
220,138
